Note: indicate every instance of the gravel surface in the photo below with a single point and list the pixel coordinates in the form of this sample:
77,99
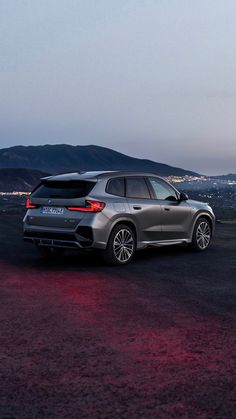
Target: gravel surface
154,339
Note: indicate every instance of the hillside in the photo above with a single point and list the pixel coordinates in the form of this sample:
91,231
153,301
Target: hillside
19,179
230,176
66,158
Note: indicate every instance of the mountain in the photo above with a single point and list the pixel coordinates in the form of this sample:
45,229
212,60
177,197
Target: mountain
67,158
19,179
230,176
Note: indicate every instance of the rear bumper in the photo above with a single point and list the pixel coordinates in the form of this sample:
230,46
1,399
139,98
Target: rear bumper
59,238
84,237
90,232
52,242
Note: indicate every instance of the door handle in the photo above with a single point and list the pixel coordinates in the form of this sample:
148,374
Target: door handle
167,209
137,208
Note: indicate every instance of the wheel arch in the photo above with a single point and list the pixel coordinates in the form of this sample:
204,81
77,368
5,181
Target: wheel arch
125,221
205,215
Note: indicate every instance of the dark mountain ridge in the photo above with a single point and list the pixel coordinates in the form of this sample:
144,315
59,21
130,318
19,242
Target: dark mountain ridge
229,176
23,180
67,158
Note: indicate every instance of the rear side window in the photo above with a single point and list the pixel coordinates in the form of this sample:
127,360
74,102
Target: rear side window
116,186
136,188
64,190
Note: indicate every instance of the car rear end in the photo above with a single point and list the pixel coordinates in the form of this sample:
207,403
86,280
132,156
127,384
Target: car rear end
62,212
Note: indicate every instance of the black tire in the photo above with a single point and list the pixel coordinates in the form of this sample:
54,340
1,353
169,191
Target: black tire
50,252
114,255
202,235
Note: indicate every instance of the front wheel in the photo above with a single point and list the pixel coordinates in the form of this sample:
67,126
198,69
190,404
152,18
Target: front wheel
121,246
202,235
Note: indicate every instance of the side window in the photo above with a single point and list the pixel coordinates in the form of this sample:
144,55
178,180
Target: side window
116,186
136,187
163,190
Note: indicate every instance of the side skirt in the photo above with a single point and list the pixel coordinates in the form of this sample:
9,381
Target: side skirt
158,243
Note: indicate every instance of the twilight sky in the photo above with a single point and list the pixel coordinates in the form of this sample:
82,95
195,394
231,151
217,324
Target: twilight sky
151,78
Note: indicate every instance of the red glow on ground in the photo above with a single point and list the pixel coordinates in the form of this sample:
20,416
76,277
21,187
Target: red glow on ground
101,337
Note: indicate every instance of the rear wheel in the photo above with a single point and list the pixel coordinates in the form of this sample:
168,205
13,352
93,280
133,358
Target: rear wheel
121,246
50,252
202,235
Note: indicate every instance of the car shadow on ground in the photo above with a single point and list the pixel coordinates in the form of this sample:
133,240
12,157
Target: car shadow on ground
92,260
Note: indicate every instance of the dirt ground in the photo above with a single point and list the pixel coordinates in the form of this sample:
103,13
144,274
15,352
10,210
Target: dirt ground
154,339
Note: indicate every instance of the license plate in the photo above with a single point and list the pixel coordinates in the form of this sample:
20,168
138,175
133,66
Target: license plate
52,210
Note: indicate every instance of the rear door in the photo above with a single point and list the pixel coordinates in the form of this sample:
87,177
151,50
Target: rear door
176,215
145,210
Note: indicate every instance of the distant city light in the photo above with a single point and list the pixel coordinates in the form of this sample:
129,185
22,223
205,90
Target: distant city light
16,193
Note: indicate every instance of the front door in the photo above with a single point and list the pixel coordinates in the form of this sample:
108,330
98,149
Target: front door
175,215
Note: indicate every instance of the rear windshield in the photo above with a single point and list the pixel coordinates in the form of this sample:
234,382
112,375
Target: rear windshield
64,190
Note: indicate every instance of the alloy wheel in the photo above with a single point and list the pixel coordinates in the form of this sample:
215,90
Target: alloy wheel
123,245
203,235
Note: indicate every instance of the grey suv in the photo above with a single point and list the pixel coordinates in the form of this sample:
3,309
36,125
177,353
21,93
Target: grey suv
116,212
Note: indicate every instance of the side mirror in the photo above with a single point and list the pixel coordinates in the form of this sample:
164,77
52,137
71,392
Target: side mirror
183,196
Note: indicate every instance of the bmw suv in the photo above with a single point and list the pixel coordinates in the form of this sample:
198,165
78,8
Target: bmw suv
115,212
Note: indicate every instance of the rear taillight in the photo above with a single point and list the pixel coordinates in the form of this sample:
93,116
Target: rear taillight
90,206
29,205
